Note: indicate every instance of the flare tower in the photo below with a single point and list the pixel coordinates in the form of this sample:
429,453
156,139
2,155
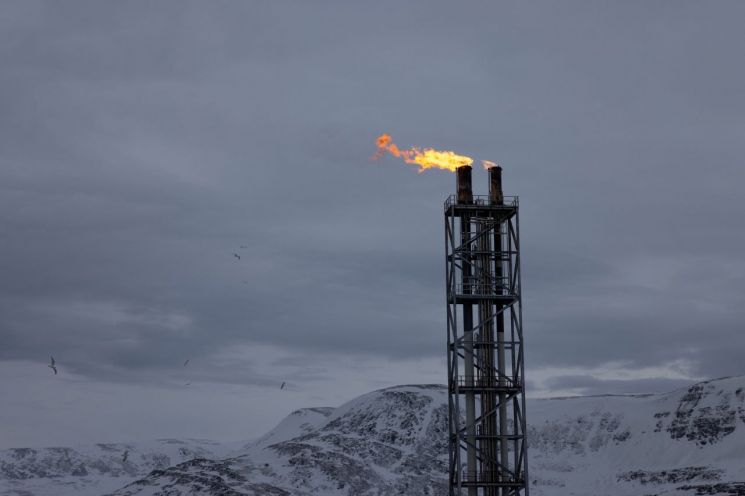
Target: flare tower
486,393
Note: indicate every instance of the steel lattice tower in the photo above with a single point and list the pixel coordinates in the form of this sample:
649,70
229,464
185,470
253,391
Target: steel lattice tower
486,395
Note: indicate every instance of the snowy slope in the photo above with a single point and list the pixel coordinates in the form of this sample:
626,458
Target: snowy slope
296,424
96,469
386,442
690,441
393,441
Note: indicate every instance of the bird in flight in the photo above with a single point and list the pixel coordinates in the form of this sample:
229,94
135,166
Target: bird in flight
186,362
243,247
124,457
187,384
282,386
237,256
51,365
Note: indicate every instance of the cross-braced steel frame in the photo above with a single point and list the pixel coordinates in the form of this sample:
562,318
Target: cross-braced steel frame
487,445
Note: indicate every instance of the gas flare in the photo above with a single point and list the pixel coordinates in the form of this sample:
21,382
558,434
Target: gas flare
488,164
427,158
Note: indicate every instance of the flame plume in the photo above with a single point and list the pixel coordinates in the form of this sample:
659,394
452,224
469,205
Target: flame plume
428,158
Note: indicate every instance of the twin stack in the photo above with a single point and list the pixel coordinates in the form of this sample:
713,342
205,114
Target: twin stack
487,446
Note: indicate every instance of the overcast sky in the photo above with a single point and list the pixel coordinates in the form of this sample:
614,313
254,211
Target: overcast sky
143,143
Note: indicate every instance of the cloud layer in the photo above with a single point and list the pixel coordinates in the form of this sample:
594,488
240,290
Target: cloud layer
142,145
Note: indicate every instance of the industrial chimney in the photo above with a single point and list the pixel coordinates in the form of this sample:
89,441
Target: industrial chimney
495,185
463,184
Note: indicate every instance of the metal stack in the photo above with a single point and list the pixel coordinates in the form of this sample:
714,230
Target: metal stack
488,451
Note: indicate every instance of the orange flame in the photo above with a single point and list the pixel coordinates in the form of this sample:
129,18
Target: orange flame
425,159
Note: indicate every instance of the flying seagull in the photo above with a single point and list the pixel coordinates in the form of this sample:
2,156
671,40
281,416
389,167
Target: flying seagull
124,457
187,384
243,247
237,256
51,365
282,386
186,362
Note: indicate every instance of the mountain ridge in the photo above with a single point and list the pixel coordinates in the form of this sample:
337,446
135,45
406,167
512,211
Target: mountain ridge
690,441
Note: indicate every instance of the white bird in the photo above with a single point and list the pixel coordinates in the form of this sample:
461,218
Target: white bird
51,365
282,386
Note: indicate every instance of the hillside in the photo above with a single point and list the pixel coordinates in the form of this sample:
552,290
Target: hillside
393,441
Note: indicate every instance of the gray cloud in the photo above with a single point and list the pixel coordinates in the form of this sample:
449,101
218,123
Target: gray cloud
591,386
140,146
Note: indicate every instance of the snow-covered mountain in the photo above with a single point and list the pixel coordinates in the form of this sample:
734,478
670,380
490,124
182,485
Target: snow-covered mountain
393,442
687,442
96,469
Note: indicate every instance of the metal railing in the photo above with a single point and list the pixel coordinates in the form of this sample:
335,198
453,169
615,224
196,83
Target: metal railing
491,476
484,289
487,382
483,200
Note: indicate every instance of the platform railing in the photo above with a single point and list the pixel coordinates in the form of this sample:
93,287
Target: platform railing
492,476
487,382
497,288
483,200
